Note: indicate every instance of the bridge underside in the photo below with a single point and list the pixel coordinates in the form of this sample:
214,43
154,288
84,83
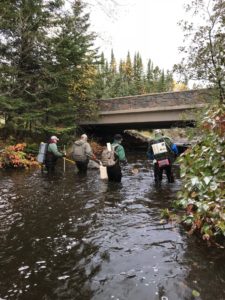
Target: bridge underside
111,129
110,122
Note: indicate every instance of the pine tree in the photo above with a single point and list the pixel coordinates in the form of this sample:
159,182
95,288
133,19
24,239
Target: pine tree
113,66
99,86
130,78
138,74
75,69
22,55
46,64
129,69
149,77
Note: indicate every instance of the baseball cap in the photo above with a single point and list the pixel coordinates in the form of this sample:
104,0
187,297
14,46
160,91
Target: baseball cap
84,136
118,137
158,131
54,138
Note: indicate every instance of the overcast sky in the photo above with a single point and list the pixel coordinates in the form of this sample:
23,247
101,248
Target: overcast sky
147,26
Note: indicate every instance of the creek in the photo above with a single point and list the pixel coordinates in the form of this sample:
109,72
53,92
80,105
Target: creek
80,238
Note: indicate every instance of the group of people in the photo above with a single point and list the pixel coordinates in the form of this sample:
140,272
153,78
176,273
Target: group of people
161,151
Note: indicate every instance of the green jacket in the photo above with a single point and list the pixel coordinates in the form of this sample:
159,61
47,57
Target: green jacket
52,148
119,151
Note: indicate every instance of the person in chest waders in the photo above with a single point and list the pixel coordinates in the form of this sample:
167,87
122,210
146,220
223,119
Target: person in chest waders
163,153
82,152
52,154
114,172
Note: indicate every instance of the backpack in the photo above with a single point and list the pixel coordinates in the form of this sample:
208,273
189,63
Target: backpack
160,149
42,152
79,152
109,157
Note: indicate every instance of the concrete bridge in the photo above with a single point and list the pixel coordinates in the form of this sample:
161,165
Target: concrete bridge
159,110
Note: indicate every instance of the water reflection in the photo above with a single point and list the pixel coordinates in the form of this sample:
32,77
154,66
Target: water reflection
72,237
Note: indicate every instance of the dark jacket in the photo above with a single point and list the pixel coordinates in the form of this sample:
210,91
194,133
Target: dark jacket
171,148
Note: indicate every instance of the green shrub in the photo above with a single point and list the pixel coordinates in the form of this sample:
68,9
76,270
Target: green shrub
203,174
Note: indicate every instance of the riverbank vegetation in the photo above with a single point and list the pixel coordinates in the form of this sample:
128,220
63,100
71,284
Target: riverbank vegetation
17,157
202,195
203,174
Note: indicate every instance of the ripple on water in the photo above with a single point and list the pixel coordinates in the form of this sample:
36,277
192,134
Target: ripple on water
71,237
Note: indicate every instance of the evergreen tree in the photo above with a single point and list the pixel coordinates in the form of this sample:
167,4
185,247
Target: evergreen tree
169,82
22,54
122,79
138,75
99,86
128,69
162,84
46,64
113,67
113,78
130,78
75,69
149,77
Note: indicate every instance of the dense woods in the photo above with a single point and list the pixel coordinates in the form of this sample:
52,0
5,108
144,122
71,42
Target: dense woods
47,65
130,77
51,72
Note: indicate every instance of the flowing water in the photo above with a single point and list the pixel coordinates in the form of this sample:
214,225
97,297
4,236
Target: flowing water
79,238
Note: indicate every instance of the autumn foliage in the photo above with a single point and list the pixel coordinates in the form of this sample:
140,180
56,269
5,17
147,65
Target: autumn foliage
97,148
15,157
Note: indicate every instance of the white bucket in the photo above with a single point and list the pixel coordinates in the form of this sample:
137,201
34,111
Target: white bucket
103,172
109,146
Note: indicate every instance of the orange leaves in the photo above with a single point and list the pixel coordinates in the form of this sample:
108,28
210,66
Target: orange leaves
17,147
97,149
14,157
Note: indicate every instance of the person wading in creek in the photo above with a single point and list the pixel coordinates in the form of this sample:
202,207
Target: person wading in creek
112,158
82,152
163,153
52,154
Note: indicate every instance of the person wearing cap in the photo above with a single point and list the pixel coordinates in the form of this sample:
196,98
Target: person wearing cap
163,160
114,172
82,152
52,154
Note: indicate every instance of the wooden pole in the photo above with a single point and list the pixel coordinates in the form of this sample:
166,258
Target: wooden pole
64,160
